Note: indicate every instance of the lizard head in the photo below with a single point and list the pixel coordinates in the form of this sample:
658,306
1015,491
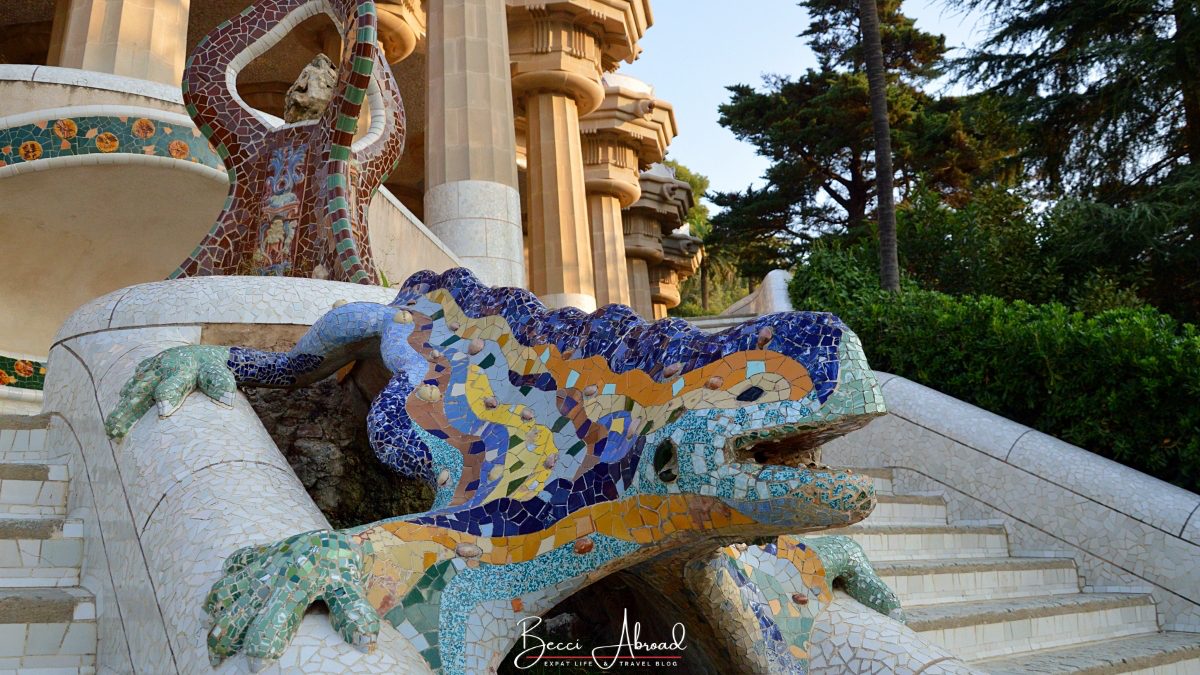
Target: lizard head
748,427
526,418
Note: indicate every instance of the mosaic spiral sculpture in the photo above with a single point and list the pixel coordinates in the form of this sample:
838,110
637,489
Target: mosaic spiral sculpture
561,447
298,192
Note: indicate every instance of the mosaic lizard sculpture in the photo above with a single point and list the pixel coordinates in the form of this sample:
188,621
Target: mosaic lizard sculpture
299,192
561,447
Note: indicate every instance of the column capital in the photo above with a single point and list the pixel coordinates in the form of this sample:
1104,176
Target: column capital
682,254
403,27
627,133
564,46
666,198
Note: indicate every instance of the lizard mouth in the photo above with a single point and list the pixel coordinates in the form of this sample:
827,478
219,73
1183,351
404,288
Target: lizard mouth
789,445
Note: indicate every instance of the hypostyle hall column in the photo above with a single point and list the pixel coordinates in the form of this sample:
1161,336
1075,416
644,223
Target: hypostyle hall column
649,221
627,133
682,254
559,51
146,39
471,200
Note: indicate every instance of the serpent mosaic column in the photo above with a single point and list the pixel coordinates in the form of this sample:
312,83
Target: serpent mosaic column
298,192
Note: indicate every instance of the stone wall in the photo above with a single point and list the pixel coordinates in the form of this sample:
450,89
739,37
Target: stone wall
322,432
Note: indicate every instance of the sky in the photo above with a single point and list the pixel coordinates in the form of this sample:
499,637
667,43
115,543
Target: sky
698,47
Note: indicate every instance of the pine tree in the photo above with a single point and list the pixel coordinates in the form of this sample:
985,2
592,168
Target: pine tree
817,131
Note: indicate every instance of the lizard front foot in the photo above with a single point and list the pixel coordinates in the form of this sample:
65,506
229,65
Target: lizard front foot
167,378
257,606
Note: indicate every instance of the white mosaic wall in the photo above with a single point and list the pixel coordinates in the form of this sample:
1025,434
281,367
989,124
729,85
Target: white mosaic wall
163,508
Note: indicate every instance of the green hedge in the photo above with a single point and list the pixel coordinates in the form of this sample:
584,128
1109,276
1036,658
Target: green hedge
1124,383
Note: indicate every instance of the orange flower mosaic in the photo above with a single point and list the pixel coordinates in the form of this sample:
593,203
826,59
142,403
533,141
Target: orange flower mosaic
23,368
179,149
6,379
143,128
107,142
66,129
30,150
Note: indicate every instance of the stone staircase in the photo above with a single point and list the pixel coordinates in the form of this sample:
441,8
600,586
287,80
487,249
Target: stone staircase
962,590
47,622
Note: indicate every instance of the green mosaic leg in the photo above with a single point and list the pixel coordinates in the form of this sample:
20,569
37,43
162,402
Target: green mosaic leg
167,378
845,560
257,606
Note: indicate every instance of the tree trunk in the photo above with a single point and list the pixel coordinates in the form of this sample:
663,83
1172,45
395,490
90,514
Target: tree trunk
889,265
704,285
1187,63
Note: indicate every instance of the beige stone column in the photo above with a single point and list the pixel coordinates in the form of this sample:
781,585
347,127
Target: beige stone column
560,245
628,132
559,51
608,247
471,200
643,248
682,254
146,39
650,245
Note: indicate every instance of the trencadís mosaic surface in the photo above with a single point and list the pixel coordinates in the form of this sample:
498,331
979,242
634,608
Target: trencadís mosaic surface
22,373
299,192
562,446
104,134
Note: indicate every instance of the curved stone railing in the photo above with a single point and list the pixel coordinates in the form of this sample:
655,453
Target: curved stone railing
164,507
770,296
1126,530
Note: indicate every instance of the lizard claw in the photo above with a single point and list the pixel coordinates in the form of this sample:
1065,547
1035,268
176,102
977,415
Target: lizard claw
165,380
258,605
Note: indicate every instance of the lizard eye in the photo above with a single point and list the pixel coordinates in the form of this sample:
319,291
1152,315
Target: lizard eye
751,394
666,462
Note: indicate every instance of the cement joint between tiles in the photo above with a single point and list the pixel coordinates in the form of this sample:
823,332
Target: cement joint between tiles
1048,533
1014,444
196,472
1188,520
942,659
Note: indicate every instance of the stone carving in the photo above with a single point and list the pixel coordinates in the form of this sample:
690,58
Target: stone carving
560,447
310,94
299,192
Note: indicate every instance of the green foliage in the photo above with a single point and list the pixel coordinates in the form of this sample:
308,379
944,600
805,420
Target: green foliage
697,216
816,130
1121,383
989,245
1108,90
725,287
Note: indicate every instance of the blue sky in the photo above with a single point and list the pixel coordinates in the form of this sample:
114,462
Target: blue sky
697,47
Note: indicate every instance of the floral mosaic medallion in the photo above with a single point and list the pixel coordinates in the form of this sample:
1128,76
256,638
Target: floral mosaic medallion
561,447
104,134
22,373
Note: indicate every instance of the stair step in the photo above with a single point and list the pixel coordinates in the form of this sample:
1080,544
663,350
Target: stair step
22,438
930,582
47,630
993,628
33,488
881,477
908,510
40,551
927,542
1157,653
